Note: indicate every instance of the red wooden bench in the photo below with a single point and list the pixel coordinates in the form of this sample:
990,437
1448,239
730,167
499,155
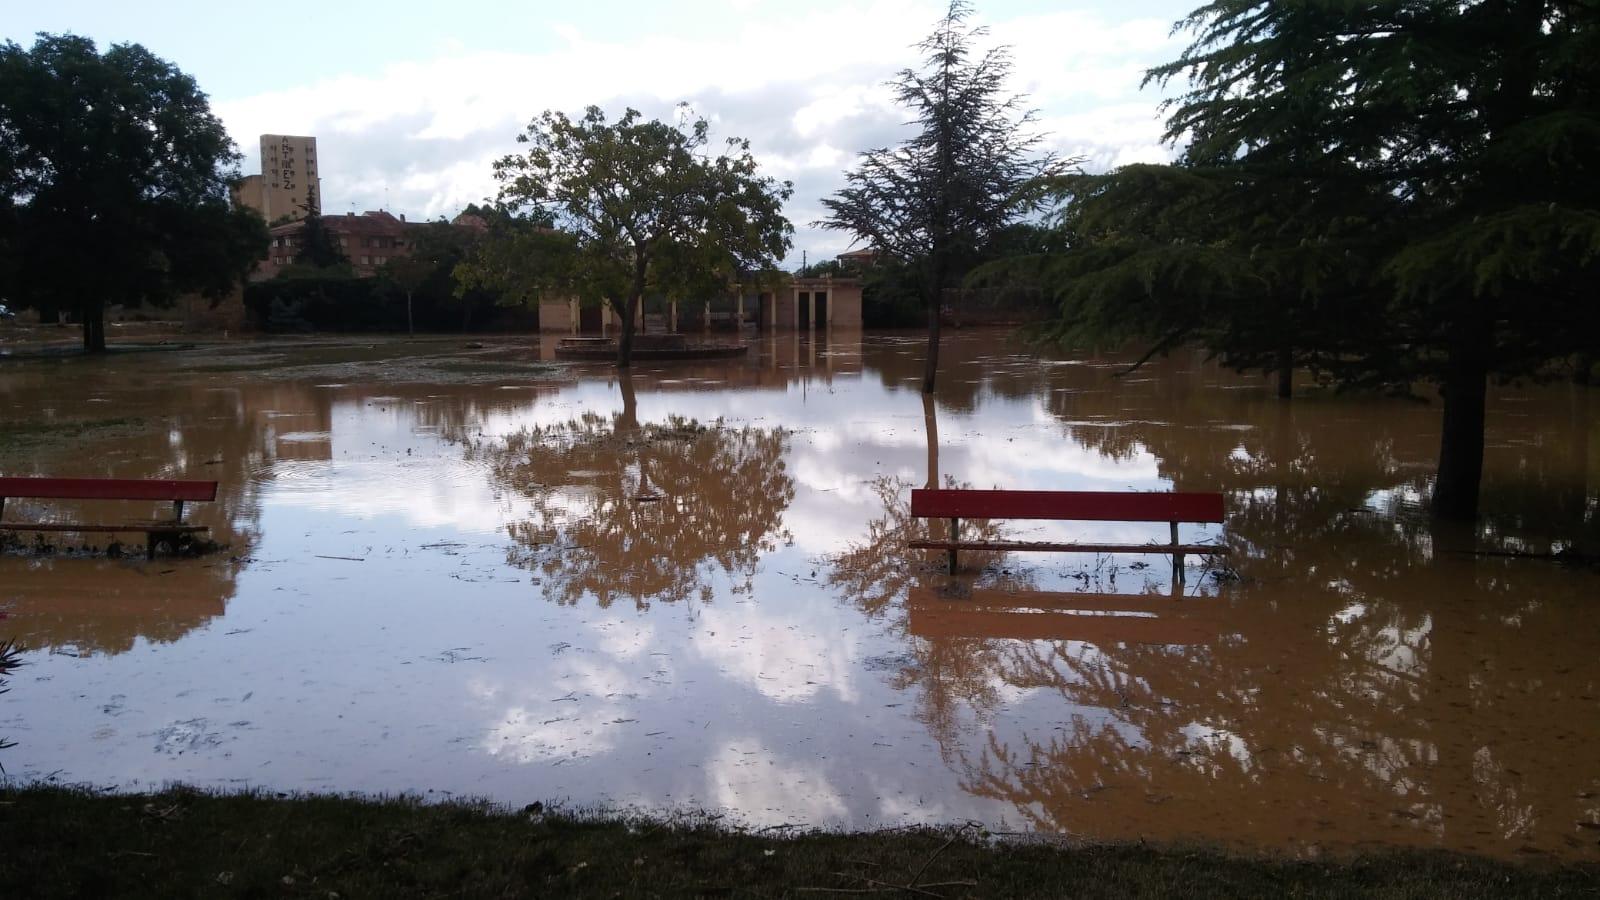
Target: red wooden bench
1096,506
168,531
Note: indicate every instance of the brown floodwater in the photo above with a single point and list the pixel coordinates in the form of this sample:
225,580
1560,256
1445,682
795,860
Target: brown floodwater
469,570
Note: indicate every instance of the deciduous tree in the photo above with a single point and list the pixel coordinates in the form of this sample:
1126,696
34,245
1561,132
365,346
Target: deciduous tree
637,206
115,177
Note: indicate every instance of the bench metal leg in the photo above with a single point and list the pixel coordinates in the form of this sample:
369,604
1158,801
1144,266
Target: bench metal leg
955,535
1177,558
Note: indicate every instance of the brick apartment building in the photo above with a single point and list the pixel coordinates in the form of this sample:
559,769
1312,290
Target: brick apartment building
368,240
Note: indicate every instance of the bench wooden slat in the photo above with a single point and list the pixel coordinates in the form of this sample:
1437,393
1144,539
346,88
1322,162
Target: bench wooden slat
107,488
1097,506
172,527
1050,547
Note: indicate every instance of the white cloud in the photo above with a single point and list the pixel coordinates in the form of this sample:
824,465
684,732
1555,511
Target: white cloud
806,86
786,652
747,776
538,729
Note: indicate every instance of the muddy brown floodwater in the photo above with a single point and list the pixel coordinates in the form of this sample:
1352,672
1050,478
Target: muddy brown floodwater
466,570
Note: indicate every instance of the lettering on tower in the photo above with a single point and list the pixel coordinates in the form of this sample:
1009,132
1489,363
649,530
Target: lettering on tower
291,188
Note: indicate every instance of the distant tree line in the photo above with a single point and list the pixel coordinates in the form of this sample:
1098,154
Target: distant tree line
418,289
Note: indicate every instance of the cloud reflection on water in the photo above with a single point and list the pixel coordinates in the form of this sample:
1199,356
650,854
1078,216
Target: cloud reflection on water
512,619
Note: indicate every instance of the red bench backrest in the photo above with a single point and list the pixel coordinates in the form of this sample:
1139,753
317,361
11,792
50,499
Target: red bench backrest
108,488
1100,506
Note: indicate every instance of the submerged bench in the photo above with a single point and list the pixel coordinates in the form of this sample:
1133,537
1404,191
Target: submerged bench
1096,506
157,489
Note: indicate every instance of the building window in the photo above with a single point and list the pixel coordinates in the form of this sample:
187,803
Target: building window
344,242
366,261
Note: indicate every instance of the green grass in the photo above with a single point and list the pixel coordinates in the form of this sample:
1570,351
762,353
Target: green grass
65,843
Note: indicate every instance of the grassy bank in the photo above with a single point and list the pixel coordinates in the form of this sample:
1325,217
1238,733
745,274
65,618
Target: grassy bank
61,843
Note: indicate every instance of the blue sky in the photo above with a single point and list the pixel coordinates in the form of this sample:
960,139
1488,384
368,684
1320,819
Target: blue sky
411,101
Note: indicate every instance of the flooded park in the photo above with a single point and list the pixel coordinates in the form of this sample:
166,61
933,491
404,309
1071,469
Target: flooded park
460,569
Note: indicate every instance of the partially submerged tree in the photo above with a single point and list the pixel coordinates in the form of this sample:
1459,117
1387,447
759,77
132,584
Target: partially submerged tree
637,207
115,177
435,249
1249,264
936,199
1446,152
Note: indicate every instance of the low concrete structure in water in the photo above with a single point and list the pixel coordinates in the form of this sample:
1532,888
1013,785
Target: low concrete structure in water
803,304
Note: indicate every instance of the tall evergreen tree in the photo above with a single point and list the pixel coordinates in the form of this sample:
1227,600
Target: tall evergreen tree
1446,151
318,247
936,200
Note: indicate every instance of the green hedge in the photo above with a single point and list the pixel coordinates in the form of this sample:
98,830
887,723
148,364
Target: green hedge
325,304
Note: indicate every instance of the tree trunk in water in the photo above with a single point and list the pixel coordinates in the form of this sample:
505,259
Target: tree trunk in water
931,368
1455,492
410,329
1285,373
94,328
930,422
629,420
625,336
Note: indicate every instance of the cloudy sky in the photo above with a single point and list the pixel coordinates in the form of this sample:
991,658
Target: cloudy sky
411,101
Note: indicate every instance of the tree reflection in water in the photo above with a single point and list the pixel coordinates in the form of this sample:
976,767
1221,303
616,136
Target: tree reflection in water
642,511
1358,684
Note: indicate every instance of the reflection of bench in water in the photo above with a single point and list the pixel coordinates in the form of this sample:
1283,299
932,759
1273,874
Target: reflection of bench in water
1099,619
1171,507
94,606
169,531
